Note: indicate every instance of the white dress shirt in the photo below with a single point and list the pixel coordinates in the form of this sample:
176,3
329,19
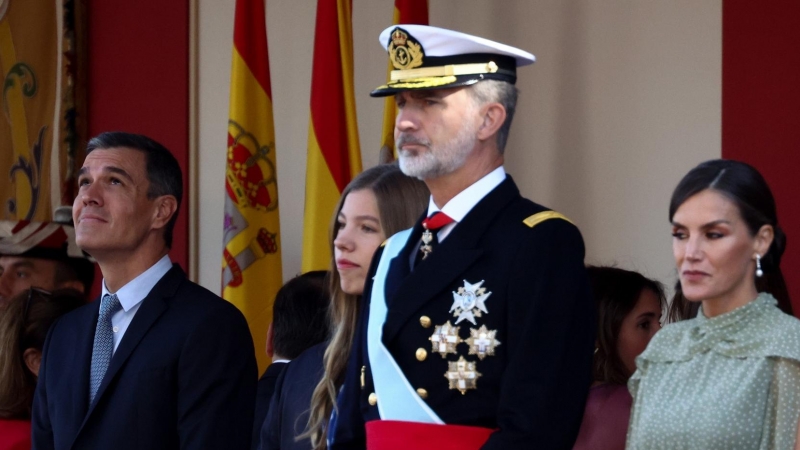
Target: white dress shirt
458,207
131,295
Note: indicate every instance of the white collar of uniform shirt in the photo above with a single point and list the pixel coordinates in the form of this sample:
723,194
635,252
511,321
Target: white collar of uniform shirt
460,205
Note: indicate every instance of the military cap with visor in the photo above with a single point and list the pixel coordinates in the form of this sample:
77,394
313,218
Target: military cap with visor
426,57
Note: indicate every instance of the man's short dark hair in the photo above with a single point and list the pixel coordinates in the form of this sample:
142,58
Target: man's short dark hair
75,269
163,170
299,315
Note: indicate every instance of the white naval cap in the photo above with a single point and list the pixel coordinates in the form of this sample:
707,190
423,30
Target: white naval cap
426,57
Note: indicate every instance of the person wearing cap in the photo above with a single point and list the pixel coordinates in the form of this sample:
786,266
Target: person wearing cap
42,255
478,327
157,362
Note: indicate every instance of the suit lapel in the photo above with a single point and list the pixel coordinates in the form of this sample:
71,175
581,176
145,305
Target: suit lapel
455,255
152,307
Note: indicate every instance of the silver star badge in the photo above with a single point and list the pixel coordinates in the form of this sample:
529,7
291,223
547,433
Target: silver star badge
462,375
482,341
470,302
445,339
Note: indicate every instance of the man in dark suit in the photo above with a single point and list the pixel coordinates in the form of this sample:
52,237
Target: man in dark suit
158,362
289,409
478,325
299,322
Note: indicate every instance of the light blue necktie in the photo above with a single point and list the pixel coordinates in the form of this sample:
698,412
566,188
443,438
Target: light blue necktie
103,343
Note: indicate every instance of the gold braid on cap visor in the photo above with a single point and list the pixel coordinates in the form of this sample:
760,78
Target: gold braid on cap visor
418,83
444,71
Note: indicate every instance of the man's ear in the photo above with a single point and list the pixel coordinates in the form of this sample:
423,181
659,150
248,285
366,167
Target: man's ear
494,116
32,358
270,341
166,207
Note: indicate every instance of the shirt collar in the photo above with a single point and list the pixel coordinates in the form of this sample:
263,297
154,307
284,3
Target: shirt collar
137,289
458,207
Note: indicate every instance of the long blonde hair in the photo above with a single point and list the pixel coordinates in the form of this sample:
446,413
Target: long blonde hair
401,200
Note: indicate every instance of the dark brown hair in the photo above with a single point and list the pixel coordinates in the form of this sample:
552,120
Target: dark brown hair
743,185
616,292
680,308
299,314
24,322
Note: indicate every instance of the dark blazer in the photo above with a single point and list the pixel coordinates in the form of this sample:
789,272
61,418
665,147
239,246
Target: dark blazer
288,412
533,389
265,389
183,376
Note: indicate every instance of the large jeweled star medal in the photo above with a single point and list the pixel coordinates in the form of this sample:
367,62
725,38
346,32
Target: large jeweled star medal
462,375
445,339
469,302
482,341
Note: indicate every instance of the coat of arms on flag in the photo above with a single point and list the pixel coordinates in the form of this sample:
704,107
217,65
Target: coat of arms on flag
249,183
251,256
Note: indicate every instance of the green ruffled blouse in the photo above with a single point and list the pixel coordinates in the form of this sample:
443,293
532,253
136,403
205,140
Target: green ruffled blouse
728,382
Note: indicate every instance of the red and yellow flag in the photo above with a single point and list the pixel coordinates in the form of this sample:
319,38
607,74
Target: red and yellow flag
334,156
408,12
251,260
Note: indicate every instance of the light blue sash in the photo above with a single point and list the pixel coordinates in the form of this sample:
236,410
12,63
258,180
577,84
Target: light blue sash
397,400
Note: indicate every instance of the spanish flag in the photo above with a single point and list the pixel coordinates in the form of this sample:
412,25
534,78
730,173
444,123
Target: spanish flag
406,12
334,156
251,259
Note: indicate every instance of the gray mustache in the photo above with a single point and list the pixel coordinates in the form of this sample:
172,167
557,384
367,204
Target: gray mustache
409,139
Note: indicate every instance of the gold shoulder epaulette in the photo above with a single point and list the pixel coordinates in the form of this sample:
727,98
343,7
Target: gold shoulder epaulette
538,218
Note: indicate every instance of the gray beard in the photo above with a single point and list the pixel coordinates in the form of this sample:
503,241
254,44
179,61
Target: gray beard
436,161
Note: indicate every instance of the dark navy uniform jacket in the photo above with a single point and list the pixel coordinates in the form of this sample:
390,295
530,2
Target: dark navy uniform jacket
532,390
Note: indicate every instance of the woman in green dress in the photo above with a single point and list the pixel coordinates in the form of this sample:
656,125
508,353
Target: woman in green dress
729,378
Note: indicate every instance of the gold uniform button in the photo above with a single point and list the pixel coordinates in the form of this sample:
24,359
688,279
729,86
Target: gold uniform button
421,354
373,399
422,393
425,321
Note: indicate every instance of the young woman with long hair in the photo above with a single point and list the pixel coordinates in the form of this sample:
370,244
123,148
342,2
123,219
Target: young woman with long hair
400,201
376,204
629,308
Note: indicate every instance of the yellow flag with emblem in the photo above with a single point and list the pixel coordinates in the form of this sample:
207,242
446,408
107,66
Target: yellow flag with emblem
251,257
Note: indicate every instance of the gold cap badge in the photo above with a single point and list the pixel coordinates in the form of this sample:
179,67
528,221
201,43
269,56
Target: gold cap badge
404,51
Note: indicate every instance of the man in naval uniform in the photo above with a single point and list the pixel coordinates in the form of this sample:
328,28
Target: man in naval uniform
477,327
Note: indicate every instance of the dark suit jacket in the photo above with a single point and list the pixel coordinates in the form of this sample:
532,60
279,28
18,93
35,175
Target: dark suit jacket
288,412
183,376
266,387
533,389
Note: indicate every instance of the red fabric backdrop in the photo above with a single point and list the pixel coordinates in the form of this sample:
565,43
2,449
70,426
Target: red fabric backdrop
138,81
761,107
